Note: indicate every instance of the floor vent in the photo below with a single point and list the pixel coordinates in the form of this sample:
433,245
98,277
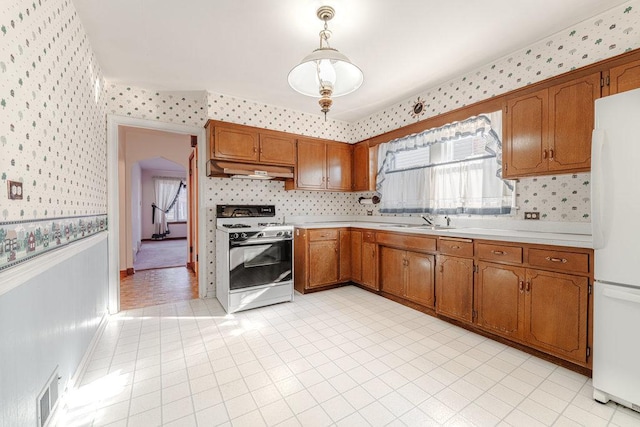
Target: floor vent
47,399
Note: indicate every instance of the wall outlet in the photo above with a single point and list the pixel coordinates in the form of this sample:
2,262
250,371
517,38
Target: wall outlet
15,190
532,215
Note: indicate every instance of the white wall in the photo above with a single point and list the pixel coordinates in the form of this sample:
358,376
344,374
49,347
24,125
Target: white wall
136,207
148,197
49,321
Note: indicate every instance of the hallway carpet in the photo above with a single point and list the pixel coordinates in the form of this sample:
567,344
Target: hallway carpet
161,286
161,254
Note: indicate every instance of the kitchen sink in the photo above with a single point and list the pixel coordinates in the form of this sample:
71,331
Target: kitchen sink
419,226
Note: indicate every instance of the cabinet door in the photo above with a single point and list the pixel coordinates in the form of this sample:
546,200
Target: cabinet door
556,313
525,148
361,167
369,265
311,165
339,166
231,143
323,263
420,286
277,149
499,299
392,270
356,256
454,287
345,256
571,121
624,77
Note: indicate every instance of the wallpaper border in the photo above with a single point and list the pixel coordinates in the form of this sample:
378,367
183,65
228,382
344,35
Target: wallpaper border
25,240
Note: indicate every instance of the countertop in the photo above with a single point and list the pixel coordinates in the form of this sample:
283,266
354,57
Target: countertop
518,236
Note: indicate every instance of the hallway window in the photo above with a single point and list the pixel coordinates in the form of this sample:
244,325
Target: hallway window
178,213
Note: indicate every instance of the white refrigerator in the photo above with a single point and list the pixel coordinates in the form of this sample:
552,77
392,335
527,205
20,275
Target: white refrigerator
615,209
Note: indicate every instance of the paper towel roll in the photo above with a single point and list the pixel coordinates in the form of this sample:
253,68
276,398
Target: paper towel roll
369,201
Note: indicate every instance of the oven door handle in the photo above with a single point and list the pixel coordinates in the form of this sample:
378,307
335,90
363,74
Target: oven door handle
257,242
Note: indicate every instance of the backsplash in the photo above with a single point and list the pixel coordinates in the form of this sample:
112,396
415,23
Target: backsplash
608,34
52,121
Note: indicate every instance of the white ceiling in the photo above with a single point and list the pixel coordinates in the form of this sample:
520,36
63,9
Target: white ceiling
246,48
160,164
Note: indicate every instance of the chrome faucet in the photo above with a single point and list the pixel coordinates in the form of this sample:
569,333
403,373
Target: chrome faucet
428,220
448,220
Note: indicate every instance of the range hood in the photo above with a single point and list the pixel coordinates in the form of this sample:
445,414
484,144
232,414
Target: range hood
248,170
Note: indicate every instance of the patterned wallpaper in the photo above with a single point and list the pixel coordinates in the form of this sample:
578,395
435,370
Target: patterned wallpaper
52,125
603,36
251,113
187,108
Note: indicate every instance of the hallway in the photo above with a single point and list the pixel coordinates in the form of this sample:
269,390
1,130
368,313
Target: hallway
159,286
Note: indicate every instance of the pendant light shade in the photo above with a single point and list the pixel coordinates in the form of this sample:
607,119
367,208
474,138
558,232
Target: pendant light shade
325,72
325,66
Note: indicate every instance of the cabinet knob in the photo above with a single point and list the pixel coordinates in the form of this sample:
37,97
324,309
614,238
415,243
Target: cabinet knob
552,259
528,288
544,154
455,247
551,154
521,286
498,252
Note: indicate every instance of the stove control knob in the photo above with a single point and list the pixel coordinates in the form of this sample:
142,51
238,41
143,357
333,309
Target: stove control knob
279,233
260,235
234,236
243,235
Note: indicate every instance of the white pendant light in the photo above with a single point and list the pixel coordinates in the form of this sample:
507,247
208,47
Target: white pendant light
325,72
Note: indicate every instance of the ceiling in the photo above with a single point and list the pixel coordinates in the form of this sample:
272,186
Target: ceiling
247,48
160,164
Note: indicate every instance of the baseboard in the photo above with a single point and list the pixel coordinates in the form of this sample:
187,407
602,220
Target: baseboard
80,371
127,272
166,238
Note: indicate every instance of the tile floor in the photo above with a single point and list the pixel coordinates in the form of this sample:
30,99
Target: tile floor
342,357
159,286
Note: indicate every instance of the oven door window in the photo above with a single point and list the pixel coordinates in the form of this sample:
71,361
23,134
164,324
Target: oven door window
260,264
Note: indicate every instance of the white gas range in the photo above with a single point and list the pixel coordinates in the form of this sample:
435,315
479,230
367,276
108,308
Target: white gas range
254,257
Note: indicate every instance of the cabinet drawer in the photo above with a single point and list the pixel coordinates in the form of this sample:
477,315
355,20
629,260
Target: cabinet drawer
323,234
559,260
369,237
405,241
499,253
453,246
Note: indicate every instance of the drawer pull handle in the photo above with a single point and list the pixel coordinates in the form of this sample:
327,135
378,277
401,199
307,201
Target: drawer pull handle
528,288
498,252
521,286
455,247
551,154
562,260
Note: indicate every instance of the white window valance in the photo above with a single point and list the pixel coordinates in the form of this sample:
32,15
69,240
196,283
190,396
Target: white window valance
453,169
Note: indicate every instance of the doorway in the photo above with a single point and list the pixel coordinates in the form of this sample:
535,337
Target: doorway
120,206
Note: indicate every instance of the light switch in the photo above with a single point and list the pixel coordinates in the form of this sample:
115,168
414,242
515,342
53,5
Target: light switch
15,190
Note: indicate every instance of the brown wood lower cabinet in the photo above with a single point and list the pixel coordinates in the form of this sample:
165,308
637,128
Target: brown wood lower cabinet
543,309
454,287
407,274
499,299
321,258
556,308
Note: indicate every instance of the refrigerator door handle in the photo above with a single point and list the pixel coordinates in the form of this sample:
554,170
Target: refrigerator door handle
598,144
622,295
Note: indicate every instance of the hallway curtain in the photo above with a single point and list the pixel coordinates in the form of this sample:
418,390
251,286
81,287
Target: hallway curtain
167,190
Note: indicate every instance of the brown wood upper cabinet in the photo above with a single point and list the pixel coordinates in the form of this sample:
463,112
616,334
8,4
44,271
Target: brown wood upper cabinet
323,165
624,77
363,168
247,144
549,131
